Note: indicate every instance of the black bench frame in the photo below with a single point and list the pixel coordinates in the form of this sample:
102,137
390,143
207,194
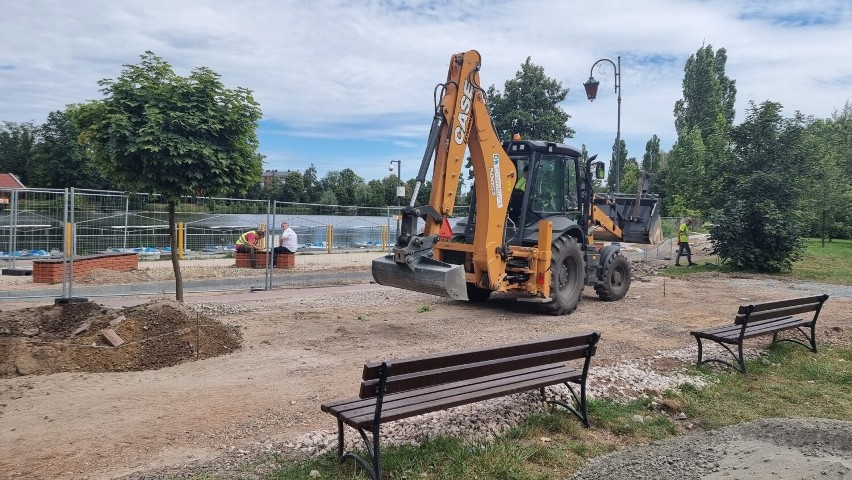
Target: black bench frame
762,319
398,389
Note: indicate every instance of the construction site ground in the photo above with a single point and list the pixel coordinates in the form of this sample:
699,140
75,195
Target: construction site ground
257,381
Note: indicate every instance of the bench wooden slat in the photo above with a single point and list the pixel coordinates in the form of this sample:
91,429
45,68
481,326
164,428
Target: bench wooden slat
448,391
433,362
454,400
358,402
763,306
767,327
397,383
724,329
777,312
358,406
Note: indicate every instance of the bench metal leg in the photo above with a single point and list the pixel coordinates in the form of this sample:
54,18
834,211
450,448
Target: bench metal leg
739,357
811,339
582,409
700,351
340,439
373,465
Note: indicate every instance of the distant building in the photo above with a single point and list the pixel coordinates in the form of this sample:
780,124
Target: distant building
269,175
8,181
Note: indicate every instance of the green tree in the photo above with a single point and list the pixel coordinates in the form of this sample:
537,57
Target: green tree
311,186
619,157
377,193
630,176
327,197
17,149
707,92
159,132
683,175
706,111
651,158
343,184
760,228
529,105
293,188
828,186
59,159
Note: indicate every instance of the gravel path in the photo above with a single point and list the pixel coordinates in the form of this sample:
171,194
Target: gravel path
782,449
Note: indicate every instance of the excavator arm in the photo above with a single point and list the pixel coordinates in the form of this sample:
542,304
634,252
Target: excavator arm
462,124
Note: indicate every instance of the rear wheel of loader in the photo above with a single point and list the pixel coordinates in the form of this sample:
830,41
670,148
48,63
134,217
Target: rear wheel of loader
567,279
616,279
476,294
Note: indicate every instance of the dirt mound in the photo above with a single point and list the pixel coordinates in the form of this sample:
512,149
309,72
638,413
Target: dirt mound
67,338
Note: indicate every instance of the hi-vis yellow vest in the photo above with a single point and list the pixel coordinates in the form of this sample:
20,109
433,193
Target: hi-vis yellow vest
683,233
243,240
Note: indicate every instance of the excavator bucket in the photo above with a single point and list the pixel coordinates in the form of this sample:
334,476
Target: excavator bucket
423,274
637,216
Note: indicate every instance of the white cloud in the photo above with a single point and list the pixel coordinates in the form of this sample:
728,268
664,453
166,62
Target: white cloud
366,69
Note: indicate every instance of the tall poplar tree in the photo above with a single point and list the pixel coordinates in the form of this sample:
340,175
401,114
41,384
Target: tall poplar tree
706,110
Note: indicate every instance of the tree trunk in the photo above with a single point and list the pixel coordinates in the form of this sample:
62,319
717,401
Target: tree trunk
173,242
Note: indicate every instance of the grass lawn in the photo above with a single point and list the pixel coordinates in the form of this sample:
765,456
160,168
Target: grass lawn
831,263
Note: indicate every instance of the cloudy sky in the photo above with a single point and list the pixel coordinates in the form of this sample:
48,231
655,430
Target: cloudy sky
349,83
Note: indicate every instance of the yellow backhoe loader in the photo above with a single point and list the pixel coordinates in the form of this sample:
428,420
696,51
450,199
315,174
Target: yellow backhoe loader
538,236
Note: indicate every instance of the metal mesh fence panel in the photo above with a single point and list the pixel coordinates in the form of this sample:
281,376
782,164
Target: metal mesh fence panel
32,228
336,244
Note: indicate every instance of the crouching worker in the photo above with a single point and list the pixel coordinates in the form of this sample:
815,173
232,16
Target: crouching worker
250,242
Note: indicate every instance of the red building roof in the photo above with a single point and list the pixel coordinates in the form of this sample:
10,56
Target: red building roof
9,180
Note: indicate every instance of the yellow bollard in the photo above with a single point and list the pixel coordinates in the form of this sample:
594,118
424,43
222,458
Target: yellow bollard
180,239
68,239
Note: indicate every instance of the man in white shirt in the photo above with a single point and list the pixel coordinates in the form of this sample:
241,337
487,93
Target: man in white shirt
287,243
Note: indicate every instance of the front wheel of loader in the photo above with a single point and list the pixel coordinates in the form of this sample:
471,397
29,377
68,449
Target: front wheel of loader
567,279
616,279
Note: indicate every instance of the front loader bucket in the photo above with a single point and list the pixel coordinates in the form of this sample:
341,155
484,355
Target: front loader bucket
638,217
427,275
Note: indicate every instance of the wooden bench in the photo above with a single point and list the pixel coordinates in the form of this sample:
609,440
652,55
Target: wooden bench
763,319
398,389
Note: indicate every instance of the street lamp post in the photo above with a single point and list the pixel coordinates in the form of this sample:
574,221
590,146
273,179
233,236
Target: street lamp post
591,87
399,194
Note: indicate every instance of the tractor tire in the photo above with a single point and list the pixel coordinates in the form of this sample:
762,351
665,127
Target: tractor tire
477,294
567,276
616,279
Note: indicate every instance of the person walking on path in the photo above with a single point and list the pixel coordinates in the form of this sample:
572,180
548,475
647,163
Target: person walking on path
683,242
249,242
287,243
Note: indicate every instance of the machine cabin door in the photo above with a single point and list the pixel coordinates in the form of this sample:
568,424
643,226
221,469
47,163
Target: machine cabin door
552,188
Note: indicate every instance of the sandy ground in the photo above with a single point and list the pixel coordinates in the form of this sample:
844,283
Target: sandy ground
305,346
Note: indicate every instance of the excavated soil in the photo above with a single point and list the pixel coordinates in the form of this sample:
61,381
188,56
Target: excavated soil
71,338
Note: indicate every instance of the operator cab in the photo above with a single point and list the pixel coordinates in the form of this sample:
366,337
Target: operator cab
549,185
